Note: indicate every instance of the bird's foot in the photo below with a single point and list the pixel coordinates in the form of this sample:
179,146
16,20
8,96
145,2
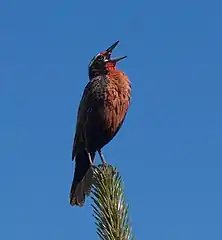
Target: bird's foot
102,158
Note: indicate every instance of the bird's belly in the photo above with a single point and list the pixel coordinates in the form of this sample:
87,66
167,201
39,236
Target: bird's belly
104,121
99,131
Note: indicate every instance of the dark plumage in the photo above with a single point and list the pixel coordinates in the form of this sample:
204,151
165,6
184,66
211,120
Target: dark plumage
101,112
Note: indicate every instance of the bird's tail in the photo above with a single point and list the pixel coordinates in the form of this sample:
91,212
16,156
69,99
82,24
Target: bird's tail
83,179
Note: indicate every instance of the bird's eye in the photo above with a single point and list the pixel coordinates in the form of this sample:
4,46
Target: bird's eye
100,57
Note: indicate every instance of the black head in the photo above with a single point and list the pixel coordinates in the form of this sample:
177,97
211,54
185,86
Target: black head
97,65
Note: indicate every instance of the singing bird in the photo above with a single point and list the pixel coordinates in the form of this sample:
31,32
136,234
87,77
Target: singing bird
101,113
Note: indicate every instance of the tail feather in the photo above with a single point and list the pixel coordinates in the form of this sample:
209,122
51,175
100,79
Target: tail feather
83,179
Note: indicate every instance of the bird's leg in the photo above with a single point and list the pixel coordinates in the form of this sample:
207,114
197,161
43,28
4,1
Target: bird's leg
90,159
102,157
89,155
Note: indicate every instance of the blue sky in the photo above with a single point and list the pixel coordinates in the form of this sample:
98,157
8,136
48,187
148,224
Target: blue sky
169,149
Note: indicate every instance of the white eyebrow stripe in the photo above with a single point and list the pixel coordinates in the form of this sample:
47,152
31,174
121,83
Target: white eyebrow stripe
93,60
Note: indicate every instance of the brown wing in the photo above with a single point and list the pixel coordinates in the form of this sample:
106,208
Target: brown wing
84,107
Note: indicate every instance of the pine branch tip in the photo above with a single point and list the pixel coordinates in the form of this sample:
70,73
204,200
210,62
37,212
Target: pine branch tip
110,209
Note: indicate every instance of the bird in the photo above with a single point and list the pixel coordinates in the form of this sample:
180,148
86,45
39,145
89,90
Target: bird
101,113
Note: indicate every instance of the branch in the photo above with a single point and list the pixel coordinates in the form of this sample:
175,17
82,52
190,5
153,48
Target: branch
109,206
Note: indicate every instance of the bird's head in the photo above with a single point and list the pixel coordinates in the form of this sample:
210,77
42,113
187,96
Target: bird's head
103,62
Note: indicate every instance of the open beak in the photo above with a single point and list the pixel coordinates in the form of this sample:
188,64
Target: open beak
115,60
109,50
108,53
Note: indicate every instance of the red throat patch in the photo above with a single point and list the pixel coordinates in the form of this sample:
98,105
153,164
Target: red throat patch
110,65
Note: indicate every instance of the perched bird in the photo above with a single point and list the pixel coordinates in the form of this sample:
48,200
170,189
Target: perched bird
101,112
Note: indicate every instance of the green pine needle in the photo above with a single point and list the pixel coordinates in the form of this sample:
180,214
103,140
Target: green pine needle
109,206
